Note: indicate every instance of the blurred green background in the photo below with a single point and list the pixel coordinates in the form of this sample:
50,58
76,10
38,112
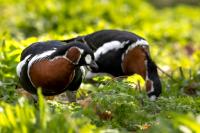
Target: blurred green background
170,26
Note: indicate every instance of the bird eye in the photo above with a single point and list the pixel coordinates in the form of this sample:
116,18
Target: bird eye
88,59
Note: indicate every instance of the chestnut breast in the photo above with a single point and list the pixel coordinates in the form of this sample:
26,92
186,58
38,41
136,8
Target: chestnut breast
134,62
52,75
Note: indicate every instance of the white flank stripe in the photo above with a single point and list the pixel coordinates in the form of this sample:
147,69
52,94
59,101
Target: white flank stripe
137,43
113,45
143,42
132,46
38,58
20,65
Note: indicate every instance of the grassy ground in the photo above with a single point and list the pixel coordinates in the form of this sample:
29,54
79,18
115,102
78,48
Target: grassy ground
112,105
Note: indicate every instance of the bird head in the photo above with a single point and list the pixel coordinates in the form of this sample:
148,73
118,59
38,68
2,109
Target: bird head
81,55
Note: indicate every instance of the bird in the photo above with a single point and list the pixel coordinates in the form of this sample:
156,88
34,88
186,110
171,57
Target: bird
122,53
54,66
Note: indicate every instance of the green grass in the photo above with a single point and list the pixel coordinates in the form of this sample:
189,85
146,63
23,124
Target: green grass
117,105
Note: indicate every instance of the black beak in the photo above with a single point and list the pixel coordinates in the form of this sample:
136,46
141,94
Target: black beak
93,65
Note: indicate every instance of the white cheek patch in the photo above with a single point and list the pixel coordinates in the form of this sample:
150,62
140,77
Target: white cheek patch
113,45
88,59
21,64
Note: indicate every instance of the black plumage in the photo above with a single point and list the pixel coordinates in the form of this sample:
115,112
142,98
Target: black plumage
111,61
57,49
